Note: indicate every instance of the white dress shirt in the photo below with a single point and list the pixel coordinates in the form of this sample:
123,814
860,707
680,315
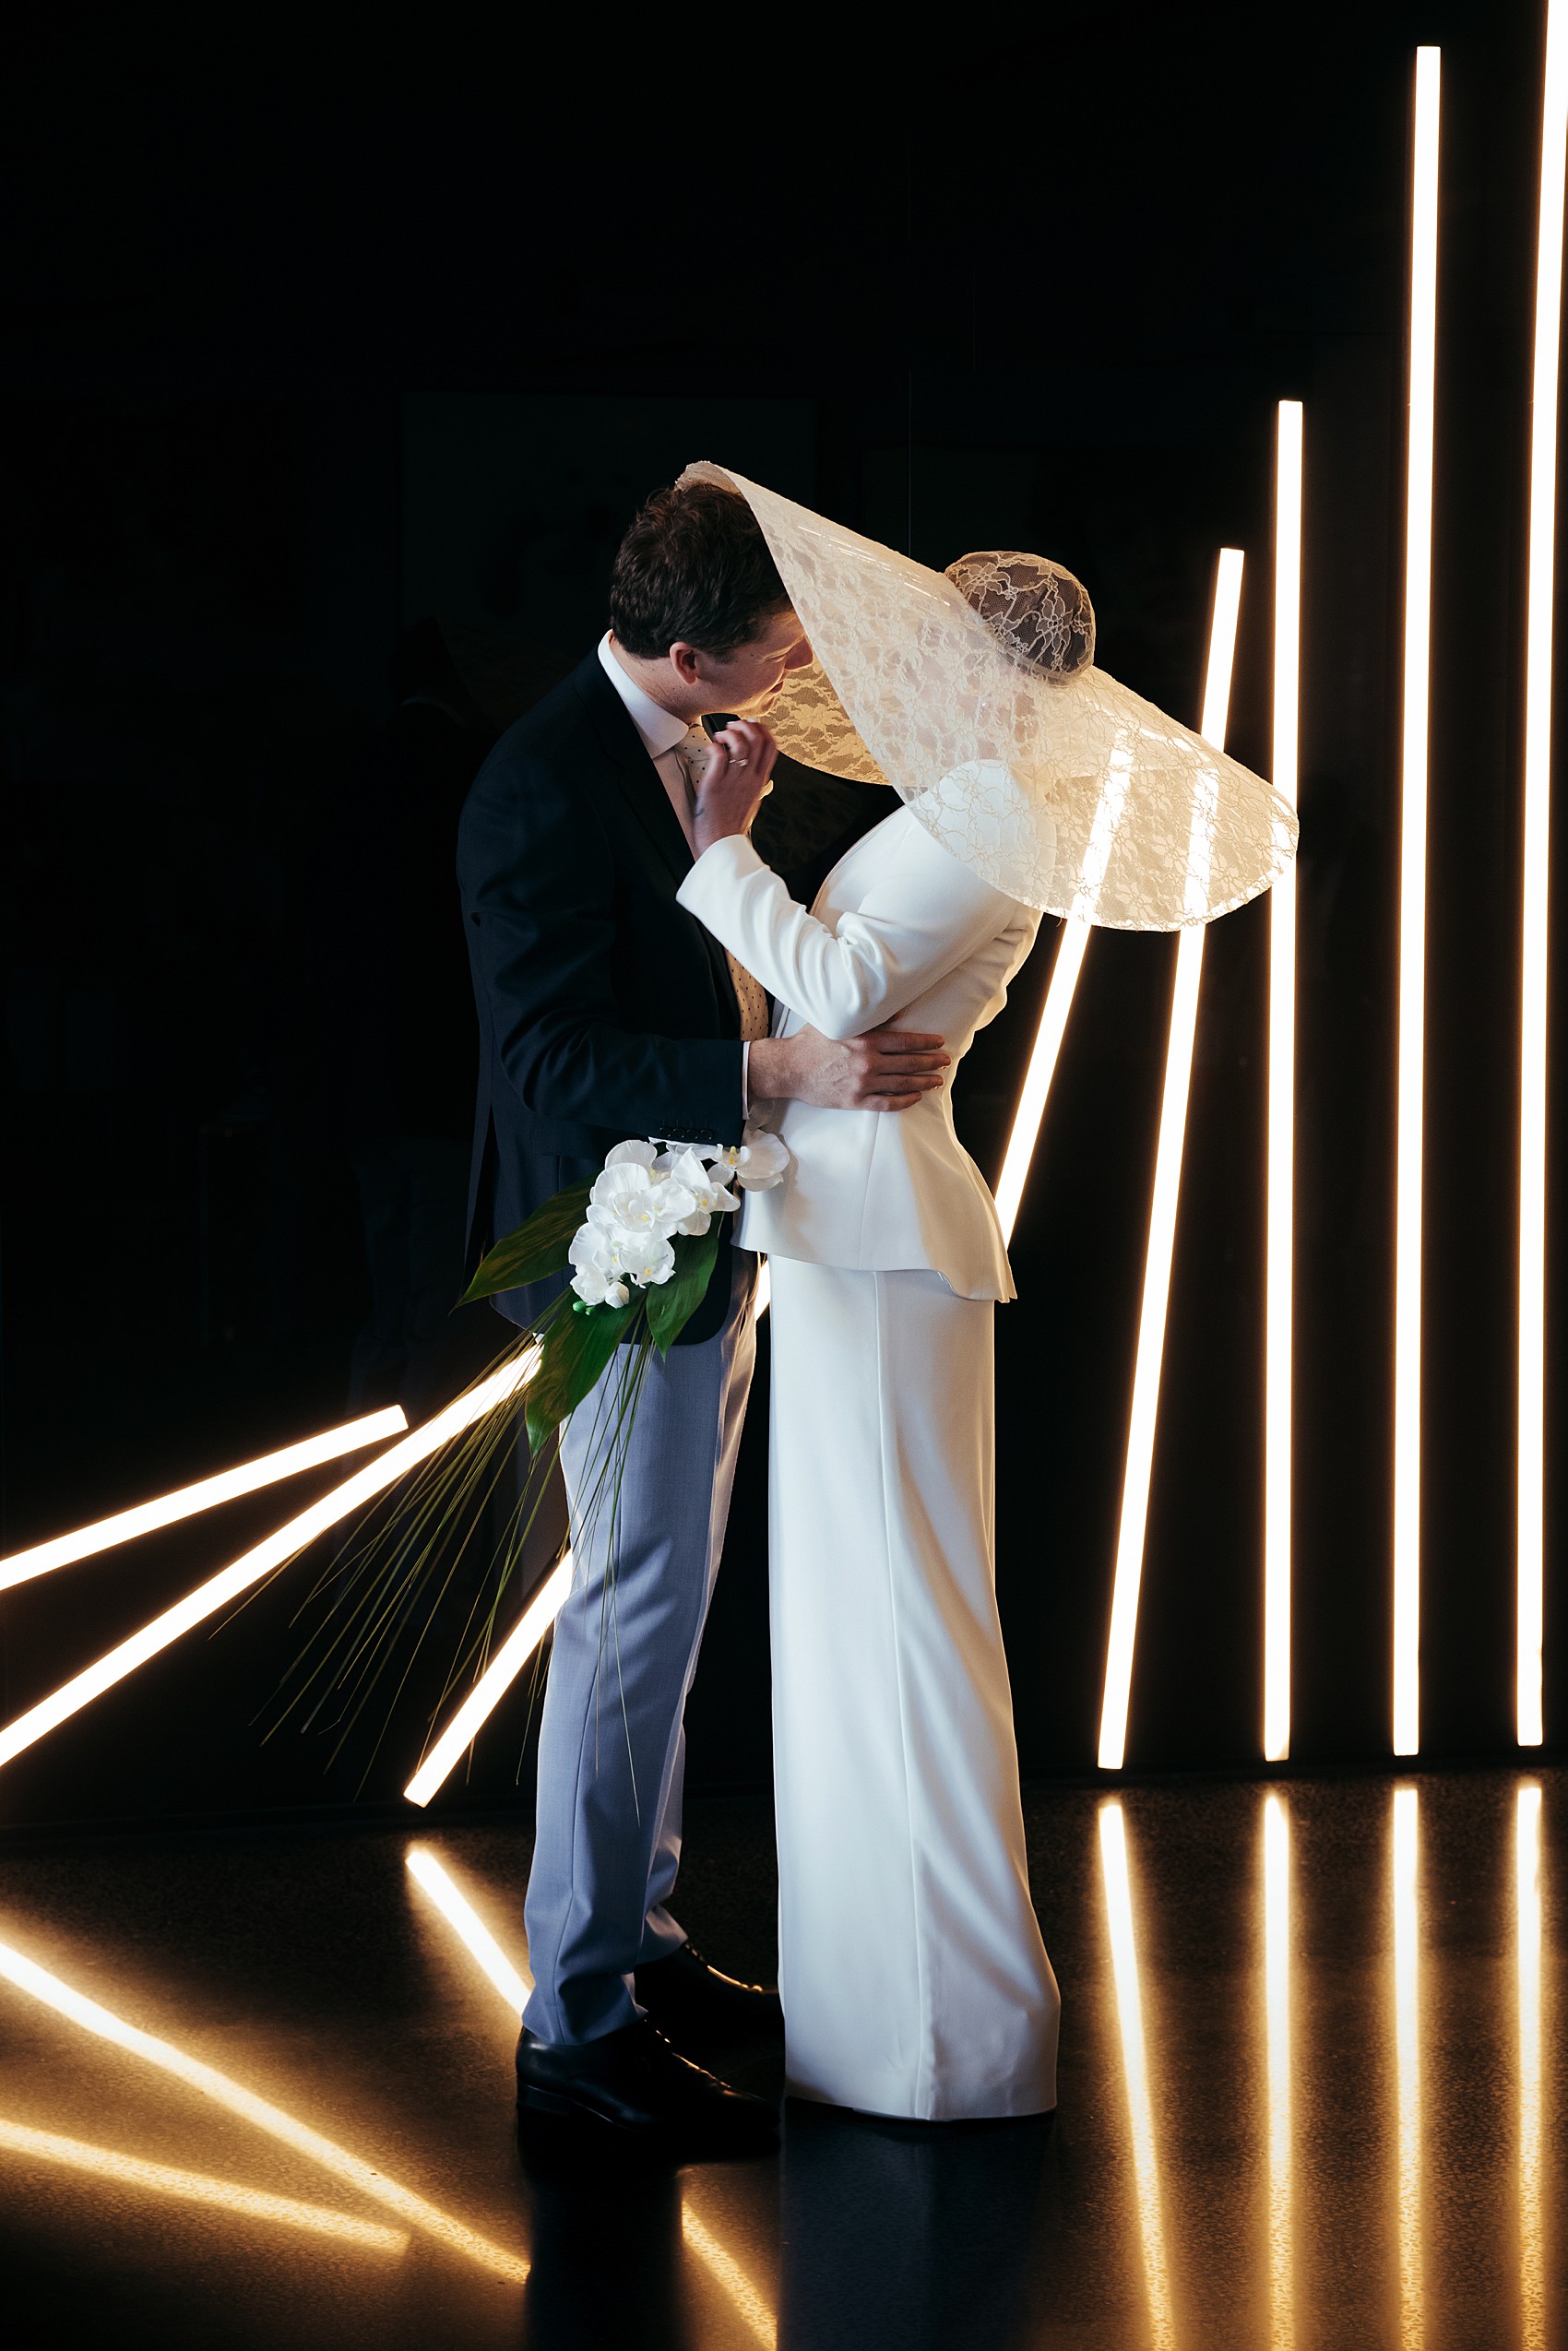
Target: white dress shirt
660,731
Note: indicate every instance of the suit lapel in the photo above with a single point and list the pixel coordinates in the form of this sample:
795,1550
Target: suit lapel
640,783
642,787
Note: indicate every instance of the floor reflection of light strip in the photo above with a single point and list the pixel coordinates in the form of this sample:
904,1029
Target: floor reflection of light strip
1043,1055
220,1590
1407,2066
1412,918
467,1925
63,1550
196,2188
1162,1221
28,1977
1276,2006
1281,1246
1134,2066
514,1987
1535,847
492,1686
1532,2247
728,2272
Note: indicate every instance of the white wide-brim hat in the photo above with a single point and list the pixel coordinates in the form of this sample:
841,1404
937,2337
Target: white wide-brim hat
1067,792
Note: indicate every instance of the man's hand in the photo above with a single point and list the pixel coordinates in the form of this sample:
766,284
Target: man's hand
734,783
889,1068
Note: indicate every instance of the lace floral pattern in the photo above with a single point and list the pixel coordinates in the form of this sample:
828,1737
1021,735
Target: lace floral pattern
1036,610
1066,790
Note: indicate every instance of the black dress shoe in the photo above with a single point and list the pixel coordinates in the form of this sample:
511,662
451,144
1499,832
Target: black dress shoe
632,2086
692,2001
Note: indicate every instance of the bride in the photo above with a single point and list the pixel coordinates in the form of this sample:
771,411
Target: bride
912,1973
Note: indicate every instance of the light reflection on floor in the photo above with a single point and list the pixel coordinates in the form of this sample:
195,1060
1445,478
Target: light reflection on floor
1310,2091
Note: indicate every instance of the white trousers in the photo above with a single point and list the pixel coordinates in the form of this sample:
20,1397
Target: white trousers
913,1976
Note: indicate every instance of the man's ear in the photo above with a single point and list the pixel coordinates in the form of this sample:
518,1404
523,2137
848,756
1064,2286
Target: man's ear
687,661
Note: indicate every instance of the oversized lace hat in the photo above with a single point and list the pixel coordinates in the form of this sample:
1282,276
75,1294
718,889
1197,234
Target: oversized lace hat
973,694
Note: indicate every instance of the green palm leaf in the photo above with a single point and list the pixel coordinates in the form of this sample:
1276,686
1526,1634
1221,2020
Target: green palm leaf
672,1305
576,1348
536,1249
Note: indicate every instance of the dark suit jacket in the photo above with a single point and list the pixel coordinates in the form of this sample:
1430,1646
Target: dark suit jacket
605,1010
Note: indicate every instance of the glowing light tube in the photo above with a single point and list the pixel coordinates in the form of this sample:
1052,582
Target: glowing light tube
1162,1212
1536,847
28,1977
467,1925
64,1551
514,1986
1532,2244
275,1551
196,2188
1280,1245
1134,2066
1041,1070
1277,2011
762,1296
489,1690
1408,2065
1412,918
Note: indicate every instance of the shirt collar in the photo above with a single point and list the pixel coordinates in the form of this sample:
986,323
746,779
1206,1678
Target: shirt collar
660,730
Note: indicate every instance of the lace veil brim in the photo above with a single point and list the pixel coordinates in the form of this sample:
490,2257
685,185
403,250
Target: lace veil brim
1071,794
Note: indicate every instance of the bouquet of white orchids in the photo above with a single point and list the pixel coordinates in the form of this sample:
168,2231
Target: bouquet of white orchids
641,1243
648,1200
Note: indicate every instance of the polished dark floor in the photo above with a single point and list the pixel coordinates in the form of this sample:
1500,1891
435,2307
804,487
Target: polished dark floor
1313,2093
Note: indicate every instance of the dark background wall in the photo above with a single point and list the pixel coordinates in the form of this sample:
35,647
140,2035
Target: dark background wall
304,345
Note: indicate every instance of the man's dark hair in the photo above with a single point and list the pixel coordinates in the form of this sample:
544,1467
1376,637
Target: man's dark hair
695,566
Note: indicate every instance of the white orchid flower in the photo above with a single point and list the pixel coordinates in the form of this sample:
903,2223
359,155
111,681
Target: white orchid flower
630,1195
757,1163
706,1189
638,1154
595,1278
644,1258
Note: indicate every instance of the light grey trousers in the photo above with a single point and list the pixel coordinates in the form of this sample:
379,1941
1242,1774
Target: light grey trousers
613,1744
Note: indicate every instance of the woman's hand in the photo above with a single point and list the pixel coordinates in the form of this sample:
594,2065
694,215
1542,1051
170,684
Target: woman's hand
736,783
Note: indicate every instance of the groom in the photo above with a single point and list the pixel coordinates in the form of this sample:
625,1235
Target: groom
605,1013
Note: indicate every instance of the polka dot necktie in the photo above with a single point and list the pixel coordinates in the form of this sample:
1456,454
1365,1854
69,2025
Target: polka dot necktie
693,752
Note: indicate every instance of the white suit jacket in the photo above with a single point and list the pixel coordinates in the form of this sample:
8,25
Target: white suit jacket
899,929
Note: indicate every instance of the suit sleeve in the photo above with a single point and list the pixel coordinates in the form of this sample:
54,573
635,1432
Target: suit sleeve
926,914
538,890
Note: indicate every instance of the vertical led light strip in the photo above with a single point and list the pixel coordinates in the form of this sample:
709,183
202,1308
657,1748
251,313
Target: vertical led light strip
1278,1307
1408,2066
1134,2066
1532,2249
1412,918
1536,842
1041,1070
1277,2018
1162,1214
